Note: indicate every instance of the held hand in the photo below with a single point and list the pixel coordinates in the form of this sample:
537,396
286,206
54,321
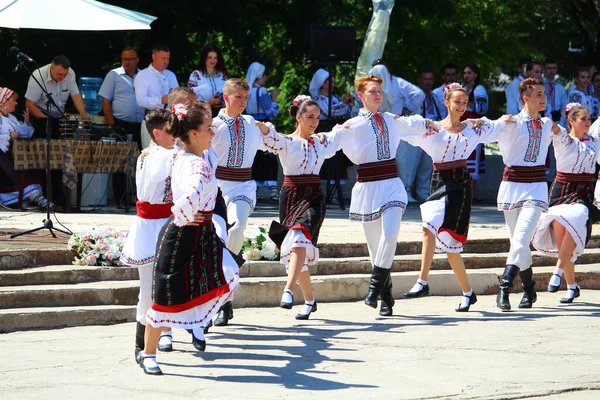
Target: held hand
320,136
14,135
405,111
198,219
26,116
474,121
555,128
264,128
508,119
164,99
85,117
432,125
215,101
348,99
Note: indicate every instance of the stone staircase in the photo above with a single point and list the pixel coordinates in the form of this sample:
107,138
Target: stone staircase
57,294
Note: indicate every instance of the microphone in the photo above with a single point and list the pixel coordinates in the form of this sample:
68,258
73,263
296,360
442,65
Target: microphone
15,50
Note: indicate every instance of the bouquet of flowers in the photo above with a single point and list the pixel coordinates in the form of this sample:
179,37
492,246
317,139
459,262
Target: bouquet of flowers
259,246
99,246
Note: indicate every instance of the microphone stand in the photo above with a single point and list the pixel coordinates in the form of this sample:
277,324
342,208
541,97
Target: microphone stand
47,222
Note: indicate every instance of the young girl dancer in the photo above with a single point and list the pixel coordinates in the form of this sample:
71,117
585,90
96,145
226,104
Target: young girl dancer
565,229
447,211
301,205
378,197
194,274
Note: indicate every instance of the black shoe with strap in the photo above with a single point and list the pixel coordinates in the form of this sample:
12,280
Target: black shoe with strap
301,316
472,300
423,291
150,370
554,288
568,299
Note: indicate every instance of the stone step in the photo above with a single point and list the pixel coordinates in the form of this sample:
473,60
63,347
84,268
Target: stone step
19,259
80,294
51,306
18,319
71,274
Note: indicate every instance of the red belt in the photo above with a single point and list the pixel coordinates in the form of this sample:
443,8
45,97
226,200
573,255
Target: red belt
153,211
377,171
234,174
524,174
301,180
563,177
450,165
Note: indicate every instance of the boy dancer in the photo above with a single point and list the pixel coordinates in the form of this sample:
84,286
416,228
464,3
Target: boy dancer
153,179
236,140
523,193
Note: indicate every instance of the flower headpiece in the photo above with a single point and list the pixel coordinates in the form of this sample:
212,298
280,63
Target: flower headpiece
300,99
452,86
179,110
570,106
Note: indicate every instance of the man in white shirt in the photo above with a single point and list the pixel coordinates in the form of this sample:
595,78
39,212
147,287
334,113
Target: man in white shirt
407,99
153,84
449,75
60,81
527,69
556,93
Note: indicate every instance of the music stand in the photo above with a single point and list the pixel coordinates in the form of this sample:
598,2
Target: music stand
47,222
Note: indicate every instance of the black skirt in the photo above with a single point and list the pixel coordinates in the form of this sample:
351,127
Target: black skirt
576,192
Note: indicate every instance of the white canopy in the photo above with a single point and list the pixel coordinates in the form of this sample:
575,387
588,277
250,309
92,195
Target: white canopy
70,15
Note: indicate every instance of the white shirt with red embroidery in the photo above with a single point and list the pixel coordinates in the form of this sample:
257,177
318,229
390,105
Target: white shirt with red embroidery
524,144
370,138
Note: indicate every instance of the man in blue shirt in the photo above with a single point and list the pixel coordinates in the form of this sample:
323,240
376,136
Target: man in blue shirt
121,109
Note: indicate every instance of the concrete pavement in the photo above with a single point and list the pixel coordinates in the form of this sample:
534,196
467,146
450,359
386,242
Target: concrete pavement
425,351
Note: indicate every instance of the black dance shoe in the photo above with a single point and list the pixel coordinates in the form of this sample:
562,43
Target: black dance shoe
472,300
199,345
166,347
312,310
553,288
287,306
569,300
150,370
423,291
224,315
207,327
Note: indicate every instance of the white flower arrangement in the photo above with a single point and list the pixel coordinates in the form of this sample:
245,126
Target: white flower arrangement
99,246
259,246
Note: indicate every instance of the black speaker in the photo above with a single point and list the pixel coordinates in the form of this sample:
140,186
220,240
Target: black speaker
331,43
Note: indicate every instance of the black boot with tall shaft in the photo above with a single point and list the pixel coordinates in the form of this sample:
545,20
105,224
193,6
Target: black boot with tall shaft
529,295
387,300
378,279
510,272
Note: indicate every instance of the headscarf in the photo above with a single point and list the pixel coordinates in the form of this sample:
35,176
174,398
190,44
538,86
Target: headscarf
317,82
5,94
255,71
388,96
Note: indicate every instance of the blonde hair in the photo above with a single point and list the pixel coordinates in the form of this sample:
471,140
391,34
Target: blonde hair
573,113
235,84
361,83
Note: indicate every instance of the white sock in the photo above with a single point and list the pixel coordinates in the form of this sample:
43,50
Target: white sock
307,308
418,286
571,291
572,287
466,301
198,332
554,279
287,296
165,338
149,361
422,282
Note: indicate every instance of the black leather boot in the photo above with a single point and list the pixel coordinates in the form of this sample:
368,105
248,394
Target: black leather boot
510,272
140,331
529,295
224,315
378,278
387,300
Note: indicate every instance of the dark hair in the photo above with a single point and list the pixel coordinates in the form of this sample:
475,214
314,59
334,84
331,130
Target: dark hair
220,61
580,70
524,60
550,61
473,67
160,47
62,61
573,113
196,114
129,48
449,66
527,85
156,119
301,109
381,61
531,64
426,71
594,76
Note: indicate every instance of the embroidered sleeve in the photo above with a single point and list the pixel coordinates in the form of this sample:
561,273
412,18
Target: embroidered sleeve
414,125
185,207
333,140
273,142
562,140
270,108
490,130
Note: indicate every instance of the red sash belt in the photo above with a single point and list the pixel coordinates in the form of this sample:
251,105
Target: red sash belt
153,211
234,174
563,177
450,165
301,180
377,171
524,174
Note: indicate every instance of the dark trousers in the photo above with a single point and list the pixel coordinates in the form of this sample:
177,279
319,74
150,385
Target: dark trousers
119,180
39,125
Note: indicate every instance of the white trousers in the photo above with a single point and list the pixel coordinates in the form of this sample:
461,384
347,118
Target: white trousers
146,273
238,213
415,169
521,223
382,237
